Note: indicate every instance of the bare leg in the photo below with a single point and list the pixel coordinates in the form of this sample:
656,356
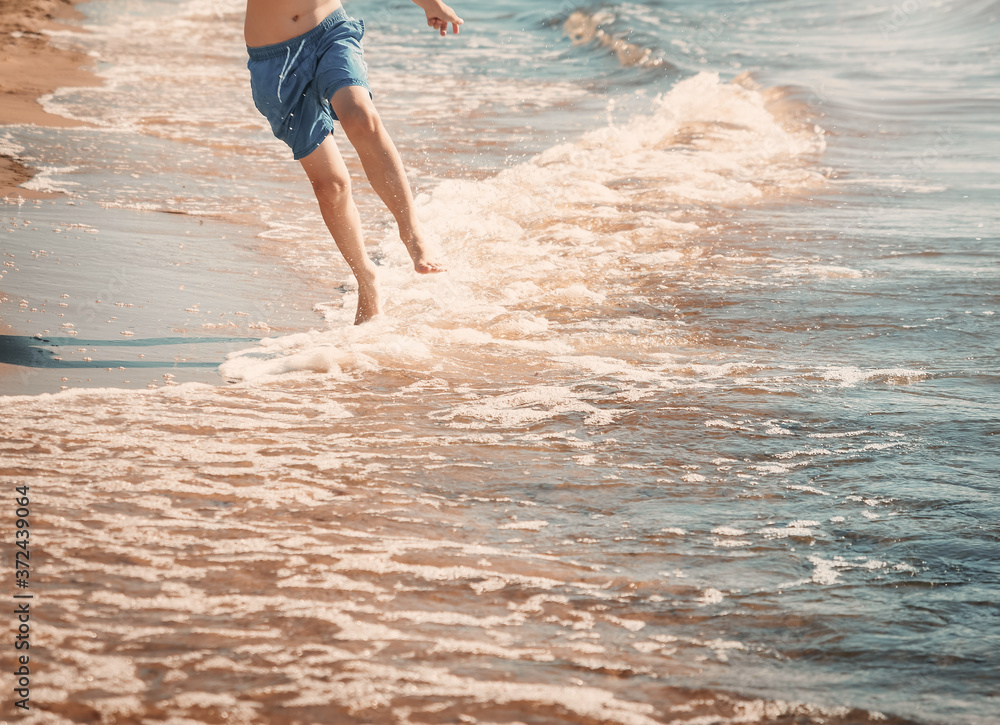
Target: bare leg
331,182
384,168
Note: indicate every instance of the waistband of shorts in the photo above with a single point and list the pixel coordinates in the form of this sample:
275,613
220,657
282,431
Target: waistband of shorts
262,52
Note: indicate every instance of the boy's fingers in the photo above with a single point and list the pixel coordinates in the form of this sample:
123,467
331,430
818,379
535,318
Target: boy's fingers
441,24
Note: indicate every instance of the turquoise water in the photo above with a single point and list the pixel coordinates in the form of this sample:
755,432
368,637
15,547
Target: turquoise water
701,424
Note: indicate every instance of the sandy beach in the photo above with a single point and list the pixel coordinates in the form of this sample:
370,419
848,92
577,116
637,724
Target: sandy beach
30,67
699,428
57,326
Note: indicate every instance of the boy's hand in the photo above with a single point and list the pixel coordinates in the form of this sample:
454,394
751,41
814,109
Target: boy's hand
439,15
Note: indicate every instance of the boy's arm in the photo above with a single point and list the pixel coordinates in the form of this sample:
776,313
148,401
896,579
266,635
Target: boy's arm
439,15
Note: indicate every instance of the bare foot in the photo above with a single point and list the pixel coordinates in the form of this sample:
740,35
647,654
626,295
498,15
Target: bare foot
423,259
369,301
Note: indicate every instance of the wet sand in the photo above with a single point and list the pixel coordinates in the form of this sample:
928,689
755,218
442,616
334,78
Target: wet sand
31,67
98,297
73,270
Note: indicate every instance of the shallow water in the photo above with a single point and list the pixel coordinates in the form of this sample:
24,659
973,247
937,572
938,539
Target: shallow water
700,425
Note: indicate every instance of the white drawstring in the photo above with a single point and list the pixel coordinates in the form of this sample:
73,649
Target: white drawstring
288,64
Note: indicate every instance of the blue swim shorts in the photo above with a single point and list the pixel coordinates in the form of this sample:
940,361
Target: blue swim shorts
293,82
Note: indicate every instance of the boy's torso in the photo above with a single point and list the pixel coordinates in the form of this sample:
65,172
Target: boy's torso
275,21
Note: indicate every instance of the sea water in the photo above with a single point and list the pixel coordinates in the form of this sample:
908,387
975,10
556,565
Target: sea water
700,426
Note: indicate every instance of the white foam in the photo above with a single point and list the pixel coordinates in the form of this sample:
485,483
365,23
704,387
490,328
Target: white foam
524,525
711,596
533,405
332,352
552,232
807,489
9,147
851,376
49,179
794,529
827,571
731,543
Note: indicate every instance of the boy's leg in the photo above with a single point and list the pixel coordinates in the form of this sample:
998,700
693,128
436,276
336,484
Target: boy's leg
332,184
384,168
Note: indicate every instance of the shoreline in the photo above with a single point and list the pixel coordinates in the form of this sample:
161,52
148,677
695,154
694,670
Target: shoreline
77,313
31,67
162,312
